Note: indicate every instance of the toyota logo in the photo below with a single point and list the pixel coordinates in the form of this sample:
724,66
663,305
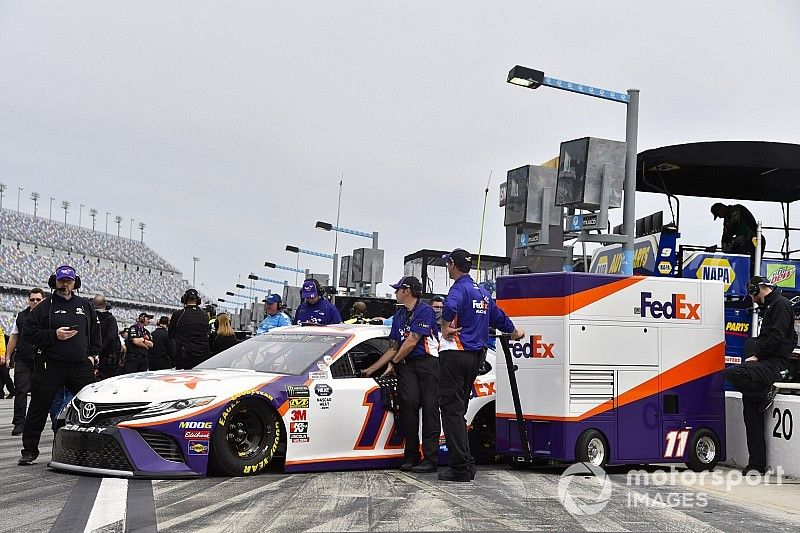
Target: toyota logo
88,411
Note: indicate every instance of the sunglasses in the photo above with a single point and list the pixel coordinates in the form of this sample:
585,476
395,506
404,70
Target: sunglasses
35,299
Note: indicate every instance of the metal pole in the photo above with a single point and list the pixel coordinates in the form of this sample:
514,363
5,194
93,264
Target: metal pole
51,209
756,272
194,269
629,205
107,213
335,280
19,192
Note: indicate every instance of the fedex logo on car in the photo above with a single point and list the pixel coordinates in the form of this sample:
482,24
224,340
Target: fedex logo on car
534,348
676,307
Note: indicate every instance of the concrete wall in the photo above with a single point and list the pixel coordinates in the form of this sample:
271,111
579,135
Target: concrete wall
782,428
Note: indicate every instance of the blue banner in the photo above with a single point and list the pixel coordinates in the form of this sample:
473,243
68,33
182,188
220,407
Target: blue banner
732,270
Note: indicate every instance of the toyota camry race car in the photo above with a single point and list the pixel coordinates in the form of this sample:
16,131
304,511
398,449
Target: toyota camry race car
294,397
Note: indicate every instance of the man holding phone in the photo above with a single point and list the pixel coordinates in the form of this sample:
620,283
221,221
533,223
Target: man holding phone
66,330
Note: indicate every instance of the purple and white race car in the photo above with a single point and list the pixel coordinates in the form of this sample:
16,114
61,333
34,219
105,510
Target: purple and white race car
293,397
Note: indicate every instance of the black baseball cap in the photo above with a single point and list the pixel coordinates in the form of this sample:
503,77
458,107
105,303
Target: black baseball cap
409,282
145,315
715,209
754,284
163,320
460,258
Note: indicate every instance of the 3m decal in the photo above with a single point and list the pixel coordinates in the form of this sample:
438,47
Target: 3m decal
534,348
676,307
298,403
198,447
205,435
676,437
299,414
195,425
374,423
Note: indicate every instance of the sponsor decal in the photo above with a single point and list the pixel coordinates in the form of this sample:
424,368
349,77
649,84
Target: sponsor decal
782,275
328,359
323,389
297,391
205,435
318,375
298,403
198,447
194,425
299,438
88,411
187,379
717,269
322,365
739,327
534,348
483,389
299,415
664,268
676,307
73,427
298,427
733,360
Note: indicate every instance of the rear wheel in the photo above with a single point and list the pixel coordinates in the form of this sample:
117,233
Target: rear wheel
592,448
481,436
246,438
704,451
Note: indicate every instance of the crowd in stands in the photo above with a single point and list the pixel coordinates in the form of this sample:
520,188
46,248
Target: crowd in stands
56,235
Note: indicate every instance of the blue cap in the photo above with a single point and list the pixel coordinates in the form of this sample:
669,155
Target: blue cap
65,272
309,289
273,299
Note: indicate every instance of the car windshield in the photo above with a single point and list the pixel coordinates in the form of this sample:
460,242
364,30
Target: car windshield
279,354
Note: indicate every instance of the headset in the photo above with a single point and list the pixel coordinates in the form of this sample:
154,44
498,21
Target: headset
191,294
754,285
318,287
51,281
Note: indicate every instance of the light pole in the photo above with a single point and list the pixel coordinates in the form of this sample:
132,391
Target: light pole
298,270
338,229
142,225
533,79
50,216
35,198
80,216
332,257
2,193
65,207
194,269
93,214
118,220
19,192
130,232
107,213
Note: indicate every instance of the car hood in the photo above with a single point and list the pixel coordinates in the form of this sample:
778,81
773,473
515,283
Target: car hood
167,385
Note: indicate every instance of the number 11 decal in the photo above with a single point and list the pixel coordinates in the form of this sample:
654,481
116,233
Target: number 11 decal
374,423
679,437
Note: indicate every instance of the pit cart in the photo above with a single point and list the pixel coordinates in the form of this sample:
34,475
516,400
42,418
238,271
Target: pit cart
612,370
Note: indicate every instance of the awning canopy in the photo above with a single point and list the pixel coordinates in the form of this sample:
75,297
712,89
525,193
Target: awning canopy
737,170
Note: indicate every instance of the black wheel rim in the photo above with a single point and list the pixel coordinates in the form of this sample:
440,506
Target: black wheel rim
247,434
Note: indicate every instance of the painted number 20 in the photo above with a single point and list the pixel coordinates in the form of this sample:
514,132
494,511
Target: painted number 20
676,437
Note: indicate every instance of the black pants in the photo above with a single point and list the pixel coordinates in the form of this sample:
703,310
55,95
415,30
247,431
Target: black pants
108,366
5,380
457,372
417,381
48,378
748,378
159,363
23,372
135,363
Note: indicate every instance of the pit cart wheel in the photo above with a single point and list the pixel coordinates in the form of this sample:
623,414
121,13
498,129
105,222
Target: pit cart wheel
246,438
481,436
704,451
592,448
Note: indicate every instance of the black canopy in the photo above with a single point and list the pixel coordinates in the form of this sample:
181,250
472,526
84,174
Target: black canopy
738,170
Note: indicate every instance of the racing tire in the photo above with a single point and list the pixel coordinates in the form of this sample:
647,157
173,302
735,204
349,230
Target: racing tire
246,438
482,436
592,447
704,451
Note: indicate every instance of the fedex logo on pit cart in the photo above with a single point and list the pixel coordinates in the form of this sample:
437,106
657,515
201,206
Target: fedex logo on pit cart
534,348
676,307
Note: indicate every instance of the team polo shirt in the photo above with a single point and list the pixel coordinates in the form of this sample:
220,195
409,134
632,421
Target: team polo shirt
473,310
420,320
322,312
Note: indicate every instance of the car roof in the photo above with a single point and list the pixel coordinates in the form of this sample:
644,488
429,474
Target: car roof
359,330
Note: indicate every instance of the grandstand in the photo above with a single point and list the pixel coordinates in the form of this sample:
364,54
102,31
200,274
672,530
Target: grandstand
132,276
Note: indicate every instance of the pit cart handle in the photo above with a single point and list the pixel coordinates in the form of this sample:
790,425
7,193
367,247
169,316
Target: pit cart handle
512,379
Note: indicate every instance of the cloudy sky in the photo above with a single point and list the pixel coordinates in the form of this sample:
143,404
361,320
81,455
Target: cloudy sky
226,127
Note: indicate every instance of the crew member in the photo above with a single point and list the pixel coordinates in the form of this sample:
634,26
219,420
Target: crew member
162,354
138,343
109,353
276,317
437,304
22,353
357,314
66,330
755,377
414,356
315,309
739,230
468,313
189,330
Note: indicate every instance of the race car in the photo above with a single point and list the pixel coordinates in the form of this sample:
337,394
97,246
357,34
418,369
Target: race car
293,398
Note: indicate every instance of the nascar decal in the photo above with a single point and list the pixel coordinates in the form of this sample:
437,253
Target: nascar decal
198,447
323,393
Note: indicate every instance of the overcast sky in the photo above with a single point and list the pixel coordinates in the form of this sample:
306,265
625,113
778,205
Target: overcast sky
226,127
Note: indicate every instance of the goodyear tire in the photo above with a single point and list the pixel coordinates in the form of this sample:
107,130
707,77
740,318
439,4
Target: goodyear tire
704,451
592,447
482,436
246,438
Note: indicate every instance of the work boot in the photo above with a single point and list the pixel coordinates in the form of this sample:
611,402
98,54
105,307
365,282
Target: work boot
27,458
449,475
425,467
408,465
750,469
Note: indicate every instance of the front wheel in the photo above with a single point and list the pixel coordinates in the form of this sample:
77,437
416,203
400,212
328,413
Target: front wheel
592,448
704,451
246,438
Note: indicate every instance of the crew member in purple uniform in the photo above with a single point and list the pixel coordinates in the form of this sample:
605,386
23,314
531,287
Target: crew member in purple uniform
315,309
468,313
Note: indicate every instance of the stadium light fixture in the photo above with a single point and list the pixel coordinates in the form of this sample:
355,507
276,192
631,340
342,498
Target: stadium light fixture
19,192
252,276
2,193
229,293
532,79
240,286
35,197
